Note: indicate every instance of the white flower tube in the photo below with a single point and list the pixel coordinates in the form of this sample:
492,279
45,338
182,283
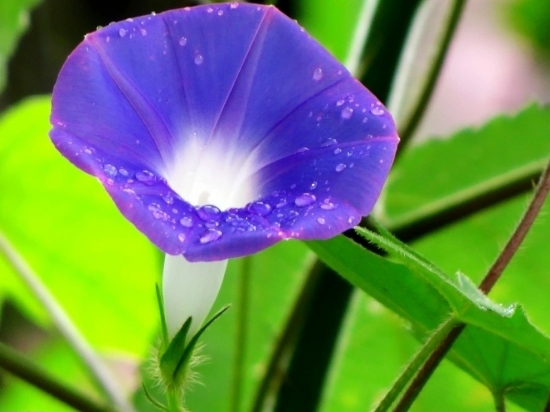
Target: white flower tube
189,290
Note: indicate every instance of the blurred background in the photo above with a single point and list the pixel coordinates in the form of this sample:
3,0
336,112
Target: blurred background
499,61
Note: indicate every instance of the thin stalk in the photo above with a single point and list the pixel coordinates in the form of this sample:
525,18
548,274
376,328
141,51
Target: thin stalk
493,275
18,365
415,364
360,35
411,123
243,300
97,369
533,210
500,402
284,347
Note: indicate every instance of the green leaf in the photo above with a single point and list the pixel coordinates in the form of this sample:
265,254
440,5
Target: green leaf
506,353
466,166
14,20
98,266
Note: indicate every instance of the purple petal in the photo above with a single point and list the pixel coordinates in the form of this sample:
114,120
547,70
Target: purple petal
232,105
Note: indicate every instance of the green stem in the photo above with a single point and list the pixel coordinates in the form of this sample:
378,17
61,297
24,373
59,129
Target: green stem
500,402
410,52
493,275
242,331
360,35
415,364
97,369
16,364
284,347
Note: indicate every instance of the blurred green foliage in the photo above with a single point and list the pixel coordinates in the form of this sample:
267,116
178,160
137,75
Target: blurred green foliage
103,271
531,19
14,19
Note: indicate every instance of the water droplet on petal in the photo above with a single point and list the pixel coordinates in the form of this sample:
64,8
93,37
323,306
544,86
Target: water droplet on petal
181,237
143,32
305,199
234,5
123,172
329,142
186,221
220,12
340,102
208,212
110,170
347,113
317,74
259,208
198,59
183,41
302,150
210,10
122,32
321,220
337,150
313,185
145,176
168,199
327,205
377,111
340,167
210,235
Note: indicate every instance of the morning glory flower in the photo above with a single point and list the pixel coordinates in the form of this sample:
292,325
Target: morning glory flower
220,130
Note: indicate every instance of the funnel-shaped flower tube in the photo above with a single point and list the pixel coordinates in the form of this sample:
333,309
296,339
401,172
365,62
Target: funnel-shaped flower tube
220,130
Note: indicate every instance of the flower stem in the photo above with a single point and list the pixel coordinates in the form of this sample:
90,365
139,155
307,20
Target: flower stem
97,369
415,364
493,275
360,35
16,364
242,331
409,125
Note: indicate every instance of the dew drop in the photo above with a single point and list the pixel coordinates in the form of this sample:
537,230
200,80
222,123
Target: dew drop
347,113
220,12
181,237
186,221
210,235
234,5
340,102
259,208
377,111
143,32
168,199
122,32
210,10
340,167
145,176
110,170
313,185
305,199
153,13
317,74
337,150
183,41
208,212
321,220
365,119
123,172
328,205
198,59
302,150
329,142
281,203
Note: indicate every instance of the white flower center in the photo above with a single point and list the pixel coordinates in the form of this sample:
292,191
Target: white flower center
211,174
